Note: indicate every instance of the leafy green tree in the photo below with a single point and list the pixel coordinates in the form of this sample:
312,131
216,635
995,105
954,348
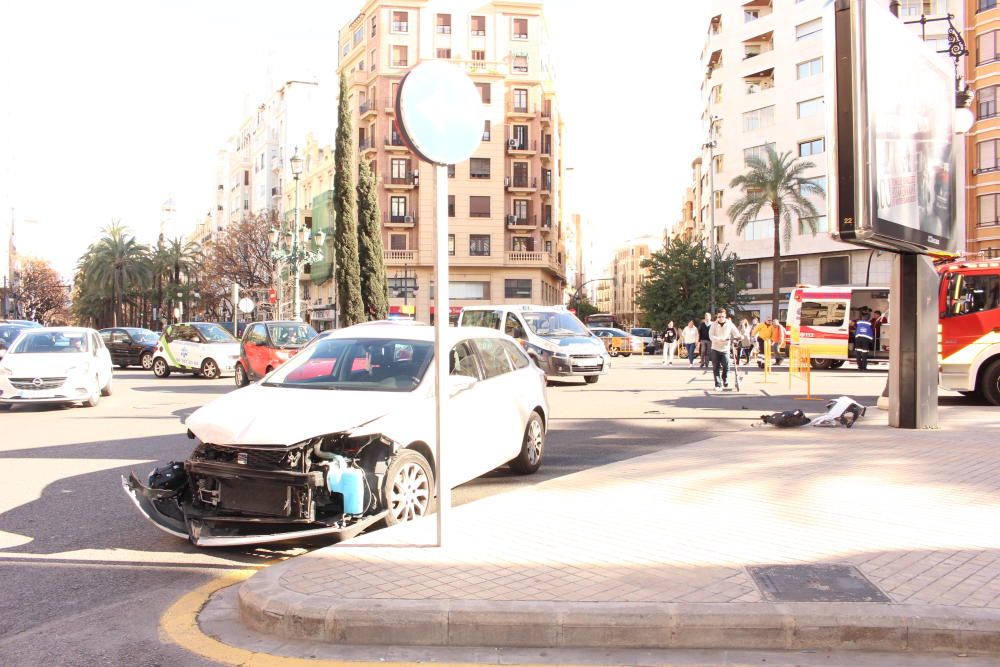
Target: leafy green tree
776,185
374,292
583,307
345,235
677,285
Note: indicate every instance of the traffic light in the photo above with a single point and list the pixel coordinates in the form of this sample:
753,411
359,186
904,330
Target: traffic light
272,296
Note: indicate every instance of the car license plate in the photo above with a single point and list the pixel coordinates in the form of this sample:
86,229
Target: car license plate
586,361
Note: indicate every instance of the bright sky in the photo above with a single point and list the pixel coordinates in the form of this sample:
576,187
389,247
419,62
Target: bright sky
112,108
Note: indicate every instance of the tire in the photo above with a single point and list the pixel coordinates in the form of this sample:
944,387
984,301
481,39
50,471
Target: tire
124,367
146,361
532,447
160,368
408,488
817,364
626,354
240,377
613,351
210,369
989,383
94,399
106,391
838,363
591,379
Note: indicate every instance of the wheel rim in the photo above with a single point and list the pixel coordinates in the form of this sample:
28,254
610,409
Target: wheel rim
533,442
410,494
210,369
159,367
240,376
147,361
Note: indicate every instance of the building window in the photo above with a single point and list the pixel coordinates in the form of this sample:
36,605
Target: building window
400,22
397,241
820,222
819,182
748,275
517,288
347,48
548,247
486,130
986,47
478,25
479,167
717,161
469,290
522,244
373,26
987,210
451,207
401,288
520,29
521,100
987,152
986,102
399,170
484,92
451,171
835,270
789,273
444,24
521,64
479,206
444,54
811,147
479,245
521,211
718,199
451,244
359,35
371,63
808,29
397,209
758,118
399,58
759,152
986,4
478,55
810,107
809,68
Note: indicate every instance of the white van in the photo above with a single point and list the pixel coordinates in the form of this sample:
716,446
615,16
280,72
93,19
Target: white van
202,348
552,336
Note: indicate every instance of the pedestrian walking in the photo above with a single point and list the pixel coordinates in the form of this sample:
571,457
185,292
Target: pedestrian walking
721,334
762,332
689,336
864,340
746,341
754,347
670,337
704,342
778,336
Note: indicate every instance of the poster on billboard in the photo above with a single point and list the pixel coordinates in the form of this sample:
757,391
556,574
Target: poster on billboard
892,133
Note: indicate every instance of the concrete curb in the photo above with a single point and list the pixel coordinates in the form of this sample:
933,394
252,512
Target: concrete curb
265,606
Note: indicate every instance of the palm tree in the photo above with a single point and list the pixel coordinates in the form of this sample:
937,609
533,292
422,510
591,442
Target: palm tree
776,184
179,257
119,264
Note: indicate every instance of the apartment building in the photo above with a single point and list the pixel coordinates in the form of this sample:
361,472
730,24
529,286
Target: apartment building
982,71
505,219
764,86
628,276
689,225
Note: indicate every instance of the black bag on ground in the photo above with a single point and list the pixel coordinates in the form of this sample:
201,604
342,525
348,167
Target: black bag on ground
786,418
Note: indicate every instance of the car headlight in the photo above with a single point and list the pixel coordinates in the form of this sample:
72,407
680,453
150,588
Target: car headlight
561,355
6,371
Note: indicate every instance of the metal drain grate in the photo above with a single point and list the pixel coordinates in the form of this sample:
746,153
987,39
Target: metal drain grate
815,583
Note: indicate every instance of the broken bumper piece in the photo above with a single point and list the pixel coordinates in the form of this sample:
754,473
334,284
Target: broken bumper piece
232,531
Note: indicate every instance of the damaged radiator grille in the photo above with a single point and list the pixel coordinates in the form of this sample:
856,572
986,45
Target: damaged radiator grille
254,457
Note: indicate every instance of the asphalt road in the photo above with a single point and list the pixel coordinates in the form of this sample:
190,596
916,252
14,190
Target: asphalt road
85,578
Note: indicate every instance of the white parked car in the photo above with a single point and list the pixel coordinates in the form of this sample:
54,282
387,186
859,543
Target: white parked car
342,436
55,365
201,348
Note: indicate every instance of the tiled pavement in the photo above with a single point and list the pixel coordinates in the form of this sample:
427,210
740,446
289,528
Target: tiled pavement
917,512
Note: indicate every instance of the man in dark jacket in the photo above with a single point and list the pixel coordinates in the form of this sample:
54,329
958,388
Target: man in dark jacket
704,342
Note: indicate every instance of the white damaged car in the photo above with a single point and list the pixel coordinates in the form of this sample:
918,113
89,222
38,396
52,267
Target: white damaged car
342,437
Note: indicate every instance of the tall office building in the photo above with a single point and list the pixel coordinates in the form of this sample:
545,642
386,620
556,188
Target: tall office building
504,204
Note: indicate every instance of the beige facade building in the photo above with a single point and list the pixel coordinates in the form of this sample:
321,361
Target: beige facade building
982,37
629,275
504,204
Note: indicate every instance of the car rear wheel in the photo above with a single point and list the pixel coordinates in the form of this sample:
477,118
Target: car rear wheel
124,367
591,379
532,447
613,351
94,398
160,368
146,361
106,391
626,354
990,387
209,369
240,376
409,488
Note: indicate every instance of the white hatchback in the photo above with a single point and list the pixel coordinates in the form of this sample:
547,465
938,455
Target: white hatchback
55,365
342,436
201,348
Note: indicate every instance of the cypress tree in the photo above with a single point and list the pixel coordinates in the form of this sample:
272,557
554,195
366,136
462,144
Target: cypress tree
373,288
345,235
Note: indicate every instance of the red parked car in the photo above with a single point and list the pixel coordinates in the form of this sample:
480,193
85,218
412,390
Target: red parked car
267,345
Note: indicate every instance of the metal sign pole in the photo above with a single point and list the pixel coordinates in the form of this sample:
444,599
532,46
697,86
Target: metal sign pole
441,350
236,299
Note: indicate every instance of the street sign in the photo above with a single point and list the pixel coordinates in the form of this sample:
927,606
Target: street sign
246,305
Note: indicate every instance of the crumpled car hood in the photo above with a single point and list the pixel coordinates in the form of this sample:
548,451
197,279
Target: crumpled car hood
259,415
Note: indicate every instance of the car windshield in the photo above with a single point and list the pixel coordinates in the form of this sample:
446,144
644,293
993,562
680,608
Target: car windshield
642,333
8,333
356,364
41,342
614,332
290,334
143,335
213,333
554,323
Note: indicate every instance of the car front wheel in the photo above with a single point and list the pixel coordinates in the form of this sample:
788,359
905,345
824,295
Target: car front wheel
591,379
409,488
209,369
160,368
146,361
240,376
532,447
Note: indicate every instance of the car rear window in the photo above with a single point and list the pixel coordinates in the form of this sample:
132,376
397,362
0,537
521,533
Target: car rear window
642,333
481,318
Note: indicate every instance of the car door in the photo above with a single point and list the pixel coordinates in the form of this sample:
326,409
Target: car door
256,350
496,395
102,357
183,346
119,347
468,416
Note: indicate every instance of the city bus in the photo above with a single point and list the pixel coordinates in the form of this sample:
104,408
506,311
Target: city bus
601,320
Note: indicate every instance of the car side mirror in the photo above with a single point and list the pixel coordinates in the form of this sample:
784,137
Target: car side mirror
459,383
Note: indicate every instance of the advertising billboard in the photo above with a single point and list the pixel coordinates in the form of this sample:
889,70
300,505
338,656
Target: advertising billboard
891,126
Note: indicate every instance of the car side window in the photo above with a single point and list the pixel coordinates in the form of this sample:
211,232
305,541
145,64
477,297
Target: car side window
494,358
119,337
512,327
462,361
106,336
515,354
258,336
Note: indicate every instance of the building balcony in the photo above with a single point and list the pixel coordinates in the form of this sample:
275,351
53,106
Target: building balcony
483,66
526,258
367,108
366,144
276,192
390,220
395,144
546,226
546,114
360,77
517,222
520,184
406,181
522,113
399,257
522,147
389,103
546,187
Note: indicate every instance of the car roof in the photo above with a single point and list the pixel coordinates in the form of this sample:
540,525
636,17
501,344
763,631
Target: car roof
521,307
421,332
63,329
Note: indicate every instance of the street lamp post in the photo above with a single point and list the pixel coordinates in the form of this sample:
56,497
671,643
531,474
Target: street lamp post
295,253
710,145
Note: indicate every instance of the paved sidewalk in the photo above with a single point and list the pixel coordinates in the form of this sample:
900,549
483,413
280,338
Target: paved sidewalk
653,552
